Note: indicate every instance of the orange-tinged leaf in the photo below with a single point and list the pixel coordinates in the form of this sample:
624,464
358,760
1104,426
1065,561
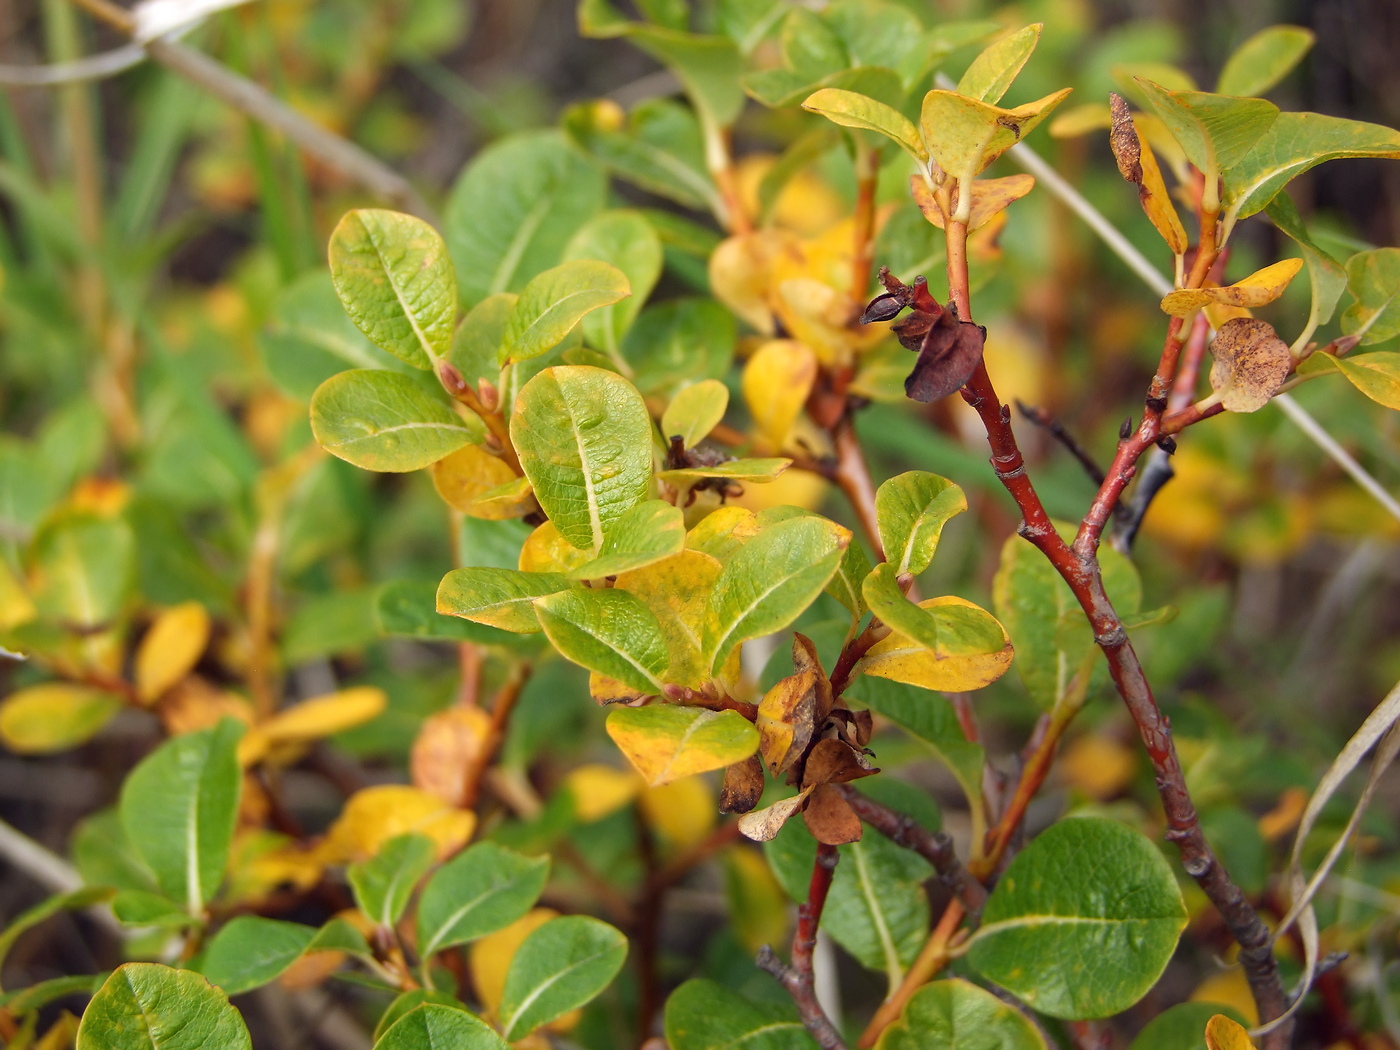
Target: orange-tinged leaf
989,196
467,474
834,761
605,690
1258,289
1156,202
1285,816
54,717
545,550
599,790
170,649
374,815
1225,1034
665,742
489,957
903,660
776,382
196,704
723,531
16,607
448,744
323,716
786,720
682,812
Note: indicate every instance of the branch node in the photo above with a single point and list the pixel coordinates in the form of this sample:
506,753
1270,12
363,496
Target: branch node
1167,444
1156,403
1196,866
1112,638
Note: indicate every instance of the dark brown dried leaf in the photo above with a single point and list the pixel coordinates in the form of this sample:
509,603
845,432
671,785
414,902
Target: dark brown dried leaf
834,761
949,355
830,818
743,784
1251,363
1123,138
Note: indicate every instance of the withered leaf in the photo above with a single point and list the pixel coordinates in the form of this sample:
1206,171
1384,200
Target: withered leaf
448,744
787,719
855,727
830,818
1123,138
1251,363
804,658
763,824
743,784
605,690
950,354
835,762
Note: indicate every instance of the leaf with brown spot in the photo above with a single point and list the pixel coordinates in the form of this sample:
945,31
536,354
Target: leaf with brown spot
1251,363
605,690
1157,203
989,197
804,658
830,818
762,825
950,354
835,762
787,719
448,744
743,786
1123,140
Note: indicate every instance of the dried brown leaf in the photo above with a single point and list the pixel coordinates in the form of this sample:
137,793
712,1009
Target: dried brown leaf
835,762
743,784
804,658
448,744
1251,363
950,353
1123,139
830,818
787,719
763,824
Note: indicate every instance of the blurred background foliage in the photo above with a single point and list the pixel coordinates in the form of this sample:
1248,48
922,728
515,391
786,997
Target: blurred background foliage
159,252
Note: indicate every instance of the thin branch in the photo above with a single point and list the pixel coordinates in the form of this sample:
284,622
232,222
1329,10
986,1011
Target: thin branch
1044,419
797,978
932,957
852,475
52,872
501,708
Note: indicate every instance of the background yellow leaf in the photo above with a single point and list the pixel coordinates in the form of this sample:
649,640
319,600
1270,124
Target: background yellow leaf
373,815
54,717
777,380
170,649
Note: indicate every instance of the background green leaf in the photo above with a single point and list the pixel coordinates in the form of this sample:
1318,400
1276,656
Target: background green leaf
554,301
560,966
960,1016
703,1015
383,883
433,1026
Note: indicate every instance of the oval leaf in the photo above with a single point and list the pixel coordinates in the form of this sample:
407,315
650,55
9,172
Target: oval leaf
584,439
503,598
1250,364
964,135
992,72
385,421
624,239
1374,279
946,628
703,1015
694,411
433,1026
1077,941
901,658
1377,375
562,965
1258,289
146,1006
483,889
959,1016
665,742
54,716
608,631
853,110
170,648
911,510
383,883
1216,131
251,951
776,382
556,300
1264,59
648,533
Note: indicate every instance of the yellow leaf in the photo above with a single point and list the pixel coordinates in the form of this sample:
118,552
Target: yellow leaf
54,717
16,607
310,720
777,380
989,197
1080,120
170,649
599,790
373,815
196,704
682,812
741,272
758,908
490,956
448,744
1228,988
61,1034
665,742
468,473
545,550
805,204
722,531
965,135
1258,289
677,591
1156,202
1098,766
1225,1034
1284,817
903,660
792,488
104,497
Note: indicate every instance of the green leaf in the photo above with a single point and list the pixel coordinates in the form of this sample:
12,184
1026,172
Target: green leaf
930,719
146,1006
964,135
626,240
810,47
705,1015
666,742
1377,375
769,581
1051,634
646,534
552,303
1326,275
386,422
850,574
139,908
395,278
1264,59
433,1026
584,439
876,909
37,996
515,208
608,631
1077,940
483,889
476,348
408,609
82,567
411,1000
757,471
384,883
339,935
1293,144
851,110
679,341
1374,279
179,807
54,716
659,148
251,951
960,1016
1215,131
75,900
105,856
911,510
1182,1027
695,411
946,630
503,598
561,965
991,73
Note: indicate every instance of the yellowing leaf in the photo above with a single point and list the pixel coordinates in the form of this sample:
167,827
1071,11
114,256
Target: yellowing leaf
676,591
722,531
989,196
741,273
1080,120
695,411
665,742
682,812
787,719
599,790
965,135
903,660
1258,289
992,72
544,550
1156,203
1377,374
757,904
776,382
54,717
469,473
1098,766
851,109
1225,1034
817,316
448,744
16,607
170,649
1229,988
373,815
